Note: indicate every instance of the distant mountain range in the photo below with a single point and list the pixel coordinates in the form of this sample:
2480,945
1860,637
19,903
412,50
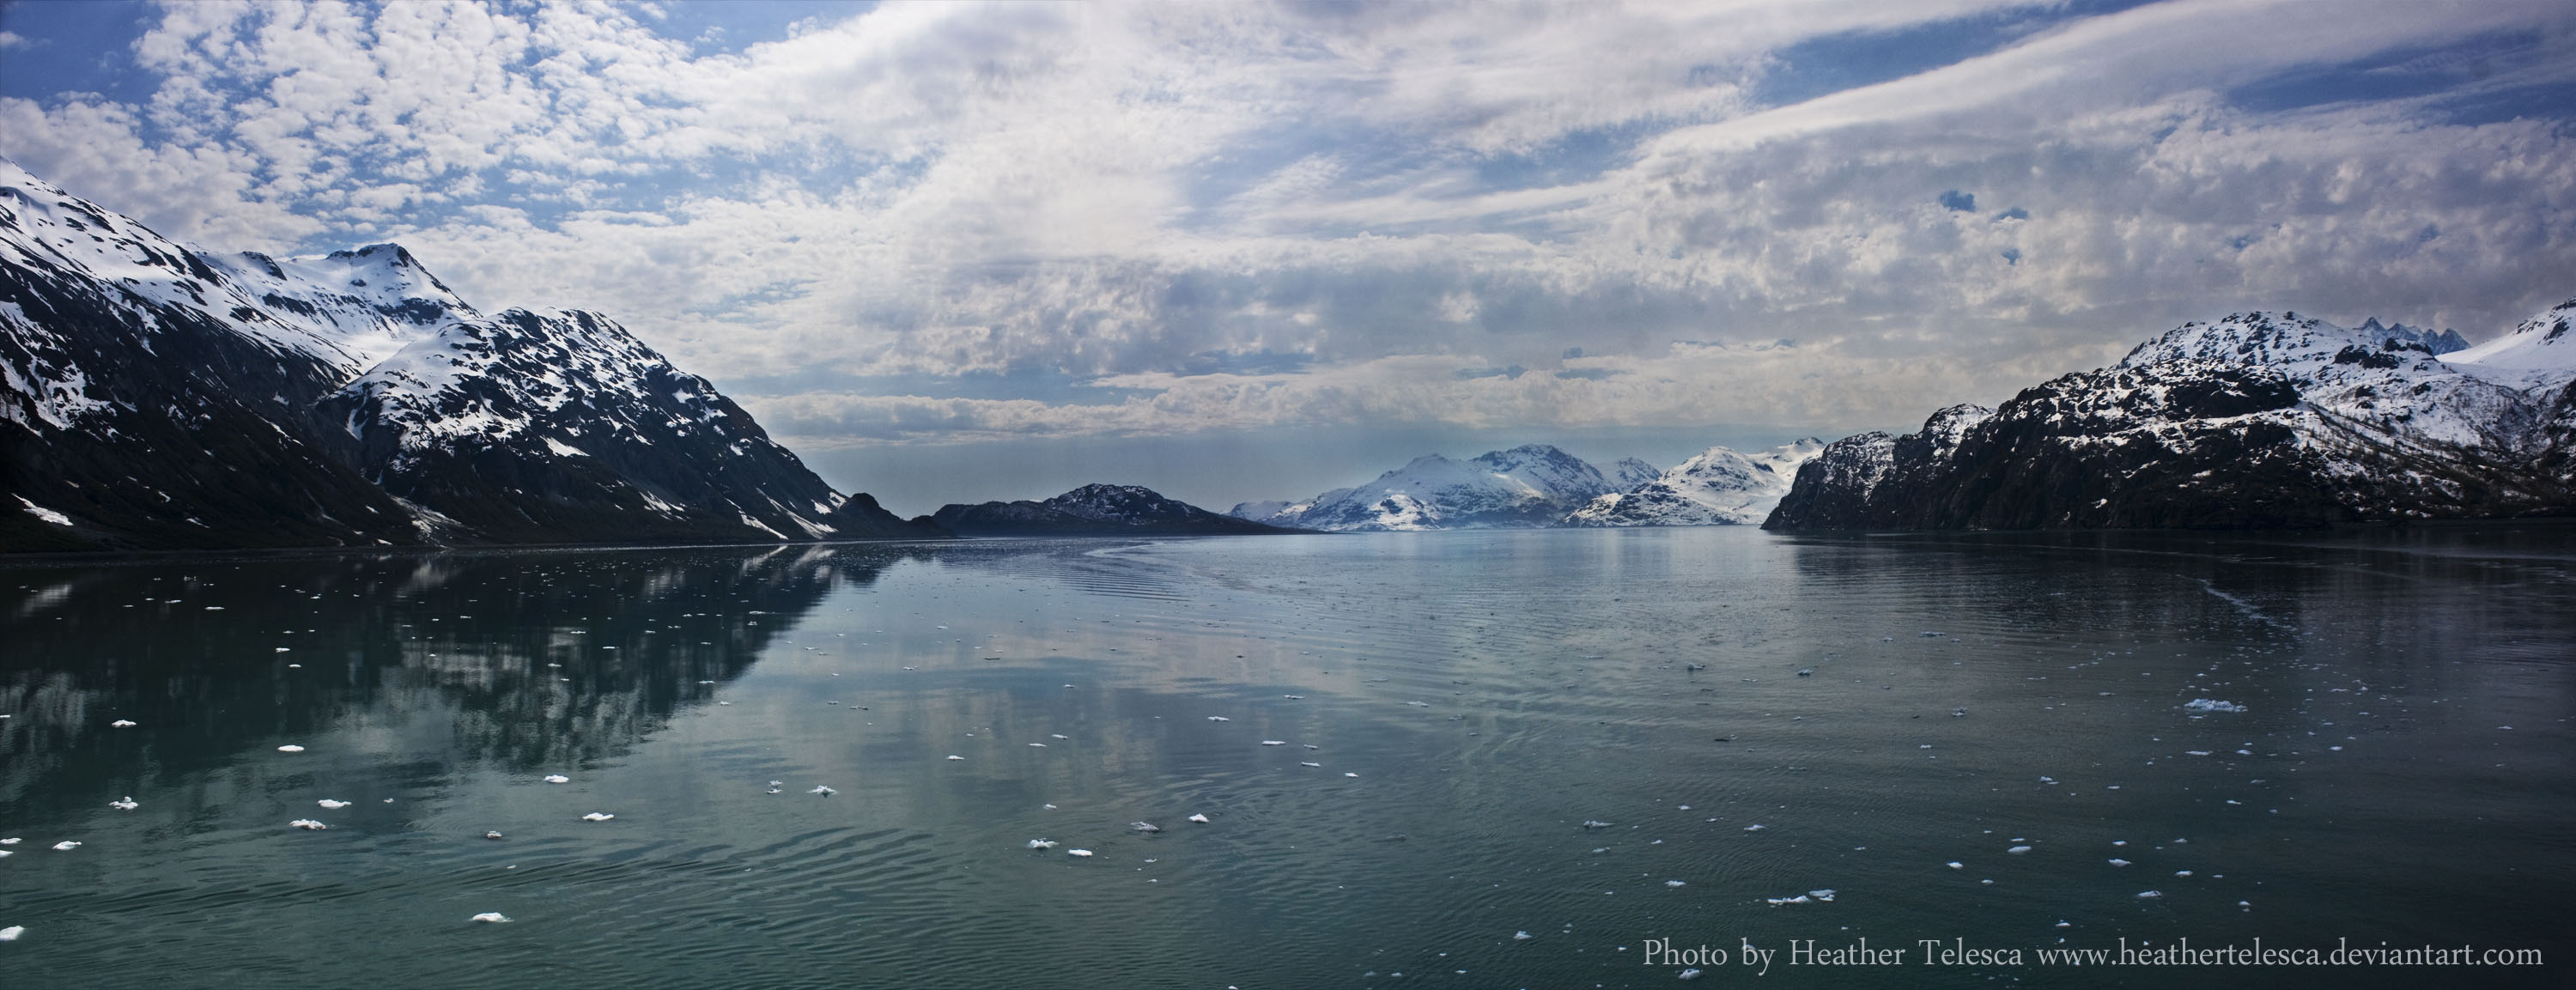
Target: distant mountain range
2259,420
159,397
1540,486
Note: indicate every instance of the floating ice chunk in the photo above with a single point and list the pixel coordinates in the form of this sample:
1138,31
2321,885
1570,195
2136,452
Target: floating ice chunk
1219,718
1419,704
1058,735
2018,850
1591,823
11,841
556,778
2147,894
124,804
1303,763
2195,752
66,845
1687,974
1042,843
492,917
1144,827
1826,894
1755,828
121,724
1274,742
1956,865
307,824
2182,873
332,804
2048,780
1037,745
1673,883
1350,775
284,650
1201,819
1958,713
1078,853
11,933
1516,936
492,835
597,817
954,756
2119,862
2211,705
822,790
290,748
2063,924
1777,901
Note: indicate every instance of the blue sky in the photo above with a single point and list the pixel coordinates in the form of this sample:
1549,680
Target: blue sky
1238,251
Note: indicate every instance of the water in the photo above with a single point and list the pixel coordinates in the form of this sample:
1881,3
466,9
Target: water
1490,691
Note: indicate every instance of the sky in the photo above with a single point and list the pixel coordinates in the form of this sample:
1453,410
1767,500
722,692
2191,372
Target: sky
1240,251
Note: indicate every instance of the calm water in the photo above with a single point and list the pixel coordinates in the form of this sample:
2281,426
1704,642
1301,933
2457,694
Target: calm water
2400,772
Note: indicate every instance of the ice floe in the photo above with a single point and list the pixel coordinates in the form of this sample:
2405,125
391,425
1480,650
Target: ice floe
307,824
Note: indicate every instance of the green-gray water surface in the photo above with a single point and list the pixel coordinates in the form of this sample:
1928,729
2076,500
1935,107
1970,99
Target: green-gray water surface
1397,741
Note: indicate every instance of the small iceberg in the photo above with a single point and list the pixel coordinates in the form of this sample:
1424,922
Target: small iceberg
66,845
1520,936
1042,843
1274,742
1078,853
307,824
1144,826
1201,819
2018,850
492,917
556,778
120,724
596,817
1219,718
1590,823
2209,705
2119,862
2150,894
11,933
954,756
290,748
124,804
822,790
331,804
1673,883
491,835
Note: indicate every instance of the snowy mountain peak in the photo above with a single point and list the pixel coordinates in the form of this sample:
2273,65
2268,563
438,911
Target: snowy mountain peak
347,310
1717,487
1529,485
2538,352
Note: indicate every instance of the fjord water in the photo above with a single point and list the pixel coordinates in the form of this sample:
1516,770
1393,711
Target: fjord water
1753,716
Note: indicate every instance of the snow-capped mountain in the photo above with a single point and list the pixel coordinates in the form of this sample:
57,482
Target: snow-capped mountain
1526,486
1718,487
155,396
2256,420
1094,510
1629,472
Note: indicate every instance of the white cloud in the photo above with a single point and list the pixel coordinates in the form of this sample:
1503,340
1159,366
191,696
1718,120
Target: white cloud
1393,193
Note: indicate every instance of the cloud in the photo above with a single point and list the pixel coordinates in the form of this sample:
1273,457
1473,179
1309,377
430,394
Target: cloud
1347,212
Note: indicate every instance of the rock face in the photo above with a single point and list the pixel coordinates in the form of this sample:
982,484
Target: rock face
1528,486
156,397
1718,487
1095,510
2256,421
